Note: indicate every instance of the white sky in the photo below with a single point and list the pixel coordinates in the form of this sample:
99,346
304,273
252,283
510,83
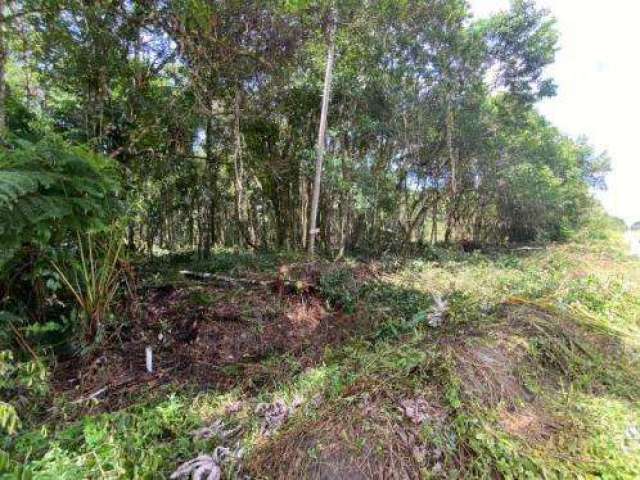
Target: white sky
597,71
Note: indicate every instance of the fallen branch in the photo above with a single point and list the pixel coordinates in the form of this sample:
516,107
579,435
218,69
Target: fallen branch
295,286
212,277
93,396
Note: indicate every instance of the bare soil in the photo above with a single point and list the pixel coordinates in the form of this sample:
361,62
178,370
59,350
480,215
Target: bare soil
207,336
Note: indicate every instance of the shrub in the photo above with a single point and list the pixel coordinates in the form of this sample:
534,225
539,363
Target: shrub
18,380
92,279
49,191
340,289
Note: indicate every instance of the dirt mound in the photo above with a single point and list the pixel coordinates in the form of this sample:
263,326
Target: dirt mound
531,423
489,372
530,346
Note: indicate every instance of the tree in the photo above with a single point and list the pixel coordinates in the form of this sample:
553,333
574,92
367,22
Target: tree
212,110
322,128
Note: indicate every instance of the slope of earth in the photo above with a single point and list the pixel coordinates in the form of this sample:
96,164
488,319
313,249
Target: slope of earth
507,364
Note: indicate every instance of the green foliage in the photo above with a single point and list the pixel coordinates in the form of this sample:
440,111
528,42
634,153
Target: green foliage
569,339
340,289
527,33
212,109
542,188
18,379
9,420
19,118
142,442
401,304
388,173
49,189
93,279
601,226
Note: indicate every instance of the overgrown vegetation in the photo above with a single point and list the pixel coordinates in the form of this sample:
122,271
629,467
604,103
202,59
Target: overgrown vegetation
533,372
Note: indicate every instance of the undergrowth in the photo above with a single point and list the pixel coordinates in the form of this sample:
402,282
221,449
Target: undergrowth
533,373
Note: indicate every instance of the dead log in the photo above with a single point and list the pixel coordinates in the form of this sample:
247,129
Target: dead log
297,286
93,396
229,281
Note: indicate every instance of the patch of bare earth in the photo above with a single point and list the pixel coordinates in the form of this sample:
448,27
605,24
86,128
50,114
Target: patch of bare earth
531,423
207,335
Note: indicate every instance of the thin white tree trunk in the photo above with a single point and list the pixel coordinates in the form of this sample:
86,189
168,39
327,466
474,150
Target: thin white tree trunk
322,129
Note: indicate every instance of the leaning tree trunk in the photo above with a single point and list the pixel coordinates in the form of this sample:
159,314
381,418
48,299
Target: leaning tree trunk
322,129
417,221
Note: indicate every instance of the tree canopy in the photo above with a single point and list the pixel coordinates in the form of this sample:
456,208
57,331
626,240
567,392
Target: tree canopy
212,109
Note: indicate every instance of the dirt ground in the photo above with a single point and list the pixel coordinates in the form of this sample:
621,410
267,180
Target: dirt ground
210,336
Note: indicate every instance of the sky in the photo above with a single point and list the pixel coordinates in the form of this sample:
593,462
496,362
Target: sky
597,71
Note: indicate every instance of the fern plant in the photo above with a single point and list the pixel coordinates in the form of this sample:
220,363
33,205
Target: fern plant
50,188
49,191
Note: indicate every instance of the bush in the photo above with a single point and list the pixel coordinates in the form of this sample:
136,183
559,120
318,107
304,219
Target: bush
20,383
50,191
93,280
340,289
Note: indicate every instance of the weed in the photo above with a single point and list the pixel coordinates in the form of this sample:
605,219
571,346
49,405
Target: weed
93,280
340,289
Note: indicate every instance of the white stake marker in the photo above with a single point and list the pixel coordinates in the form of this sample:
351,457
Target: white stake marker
149,359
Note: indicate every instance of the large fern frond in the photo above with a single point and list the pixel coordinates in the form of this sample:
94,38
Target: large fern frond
50,188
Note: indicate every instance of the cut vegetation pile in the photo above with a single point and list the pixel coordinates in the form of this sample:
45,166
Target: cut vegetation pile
513,364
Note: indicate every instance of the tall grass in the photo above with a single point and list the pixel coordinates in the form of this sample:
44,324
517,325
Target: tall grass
93,279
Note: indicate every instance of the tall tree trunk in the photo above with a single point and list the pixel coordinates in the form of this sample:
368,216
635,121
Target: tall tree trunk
131,235
322,129
247,232
345,205
452,166
303,207
210,238
434,221
3,60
